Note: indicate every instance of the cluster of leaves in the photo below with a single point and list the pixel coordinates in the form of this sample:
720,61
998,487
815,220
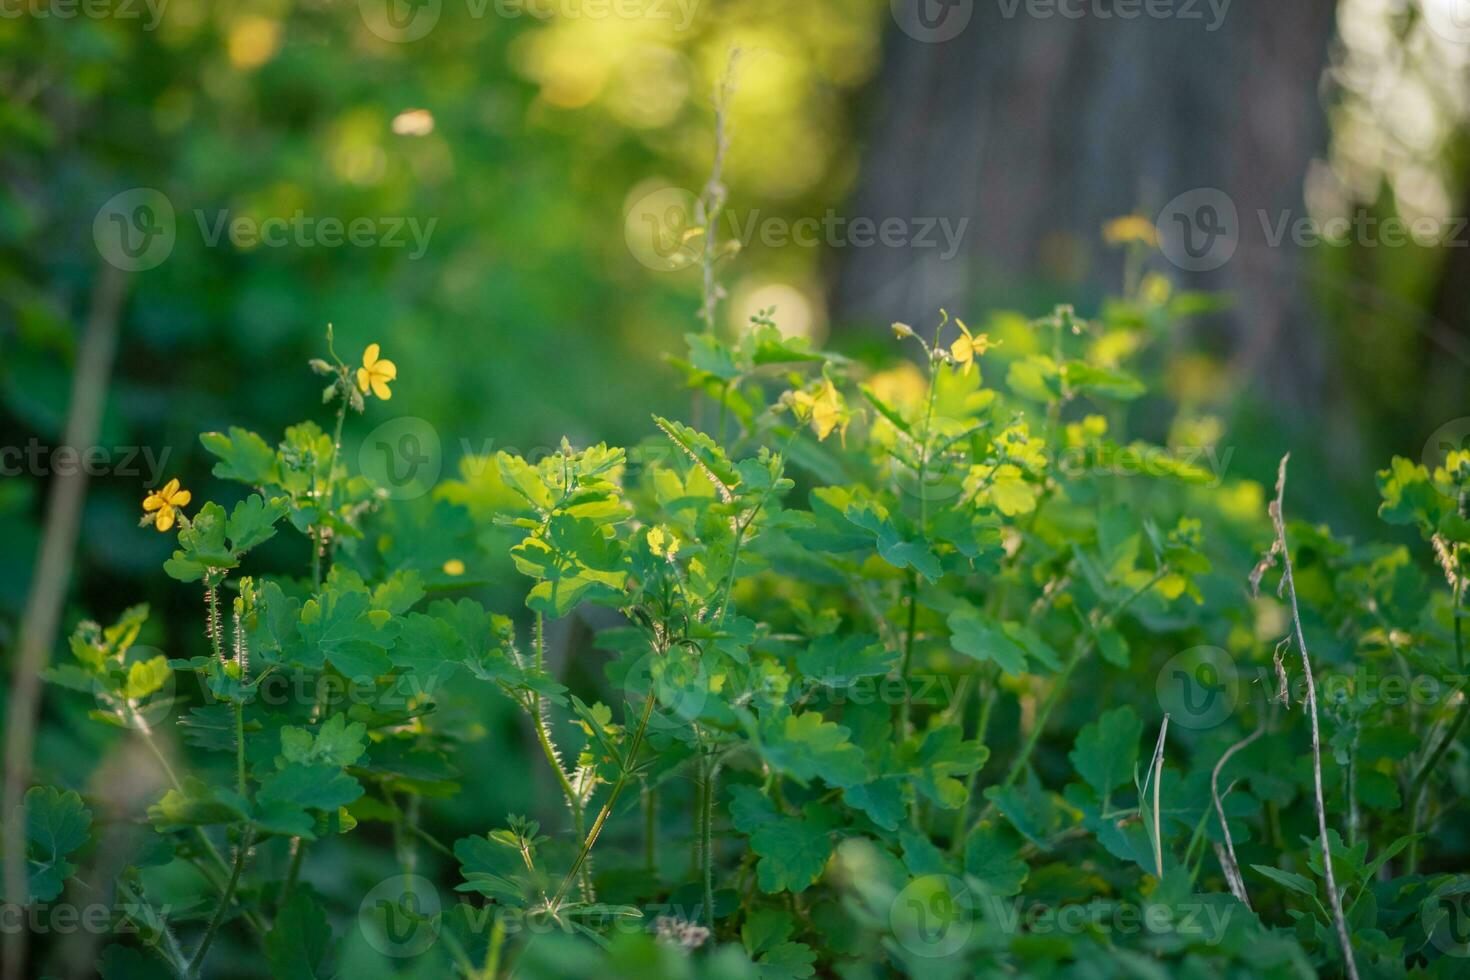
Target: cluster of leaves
882,648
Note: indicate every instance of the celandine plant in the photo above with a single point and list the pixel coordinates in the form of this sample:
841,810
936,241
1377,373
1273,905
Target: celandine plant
923,671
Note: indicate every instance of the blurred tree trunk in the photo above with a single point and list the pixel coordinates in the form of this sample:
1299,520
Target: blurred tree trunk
1039,129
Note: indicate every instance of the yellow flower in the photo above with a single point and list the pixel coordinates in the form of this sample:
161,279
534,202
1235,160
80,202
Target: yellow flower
1131,228
375,373
162,504
662,543
454,567
824,410
969,346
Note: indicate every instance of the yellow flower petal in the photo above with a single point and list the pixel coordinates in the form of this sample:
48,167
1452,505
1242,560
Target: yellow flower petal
364,379
454,567
181,499
165,518
380,388
370,356
385,369
169,489
152,502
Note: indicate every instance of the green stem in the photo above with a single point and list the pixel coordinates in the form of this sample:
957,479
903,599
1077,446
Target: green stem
1083,646
905,707
706,851
492,954
962,818
607,807
1421,778
293,871
171,950
553,758
740,528
240,748
650,828
320,546
229,894
204,841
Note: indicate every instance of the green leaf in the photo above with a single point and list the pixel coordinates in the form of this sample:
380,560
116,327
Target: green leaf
766,928
399,592
887,411
196,804
1106,751
836,660
993,858
1084,378
712,357
808,747
315,787
201,546
977,635
253,521
342,628
943,756
56,825
883,800
706,455
1287,879
892,546
1408,495
787,961
298,942
243,456
793,851
146,676
336,743
1035,377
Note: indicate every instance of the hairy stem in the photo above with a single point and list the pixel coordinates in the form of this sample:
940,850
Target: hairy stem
607,807
1289,582
224,903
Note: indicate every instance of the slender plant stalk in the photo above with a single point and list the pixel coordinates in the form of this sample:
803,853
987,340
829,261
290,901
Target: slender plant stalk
171,950
1083,646
553,757
1157,778
712,201
706,847
1289,584
219,913
492,953
650,828
1420,782
1228,862
905,710
962,817
607,807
